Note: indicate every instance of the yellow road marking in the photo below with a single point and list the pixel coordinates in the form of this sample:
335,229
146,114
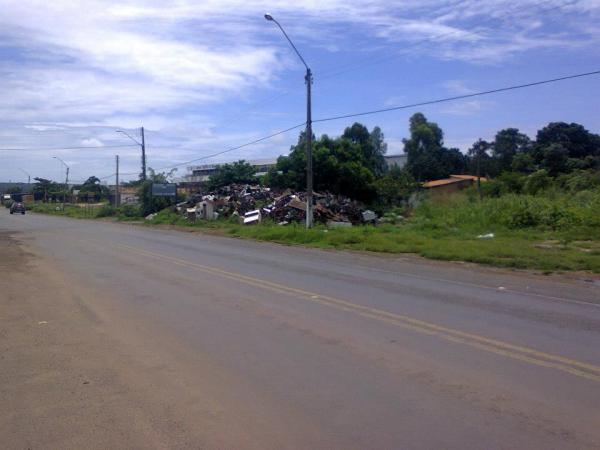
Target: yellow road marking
526,354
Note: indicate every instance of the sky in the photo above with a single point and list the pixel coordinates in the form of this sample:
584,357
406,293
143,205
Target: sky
206,76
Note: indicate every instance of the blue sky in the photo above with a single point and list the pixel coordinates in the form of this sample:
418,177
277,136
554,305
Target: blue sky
206,76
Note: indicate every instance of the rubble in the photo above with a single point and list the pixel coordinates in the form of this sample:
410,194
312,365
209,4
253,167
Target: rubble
253,203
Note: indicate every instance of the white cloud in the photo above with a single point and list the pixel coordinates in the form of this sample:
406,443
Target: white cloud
72,72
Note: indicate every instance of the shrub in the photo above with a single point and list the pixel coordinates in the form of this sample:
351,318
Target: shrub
129,211
106,211
537,182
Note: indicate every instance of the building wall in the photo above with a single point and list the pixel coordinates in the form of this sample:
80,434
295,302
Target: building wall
396,160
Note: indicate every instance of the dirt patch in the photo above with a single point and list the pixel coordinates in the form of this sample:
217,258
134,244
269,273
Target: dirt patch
13,256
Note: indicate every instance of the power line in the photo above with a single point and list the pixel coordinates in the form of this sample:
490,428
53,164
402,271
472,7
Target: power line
62,148
334,72
459,97
377,111
255,141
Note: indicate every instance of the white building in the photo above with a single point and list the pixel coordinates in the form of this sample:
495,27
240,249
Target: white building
204,171
396,160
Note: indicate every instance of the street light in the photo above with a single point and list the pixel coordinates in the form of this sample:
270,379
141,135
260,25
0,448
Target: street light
143,147
309,163
28,176
66,181
67,167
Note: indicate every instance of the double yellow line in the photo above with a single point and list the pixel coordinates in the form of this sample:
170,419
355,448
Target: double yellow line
526,354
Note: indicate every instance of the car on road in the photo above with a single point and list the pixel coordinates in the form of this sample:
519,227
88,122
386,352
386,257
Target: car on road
17,207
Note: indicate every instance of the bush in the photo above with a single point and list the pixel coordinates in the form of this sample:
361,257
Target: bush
537,182
129,211
106,211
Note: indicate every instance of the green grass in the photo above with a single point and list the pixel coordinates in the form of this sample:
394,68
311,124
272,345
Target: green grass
77,212
559,233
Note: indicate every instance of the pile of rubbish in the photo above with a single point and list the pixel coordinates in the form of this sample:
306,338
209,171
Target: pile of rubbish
253,203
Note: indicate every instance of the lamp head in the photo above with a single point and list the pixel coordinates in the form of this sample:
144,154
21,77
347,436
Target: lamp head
269,17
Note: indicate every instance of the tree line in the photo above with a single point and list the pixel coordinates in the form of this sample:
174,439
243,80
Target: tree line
353,164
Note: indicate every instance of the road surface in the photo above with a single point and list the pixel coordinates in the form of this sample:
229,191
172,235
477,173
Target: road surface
121,336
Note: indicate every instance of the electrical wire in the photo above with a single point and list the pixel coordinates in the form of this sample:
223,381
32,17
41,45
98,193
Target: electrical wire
376,111
63,148
458,97
212,155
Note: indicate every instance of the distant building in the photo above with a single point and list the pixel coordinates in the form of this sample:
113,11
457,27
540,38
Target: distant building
202,172
396,160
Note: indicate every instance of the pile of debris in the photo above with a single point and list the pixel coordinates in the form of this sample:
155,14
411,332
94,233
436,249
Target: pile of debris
253,203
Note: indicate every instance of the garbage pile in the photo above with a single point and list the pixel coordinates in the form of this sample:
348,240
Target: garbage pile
253,203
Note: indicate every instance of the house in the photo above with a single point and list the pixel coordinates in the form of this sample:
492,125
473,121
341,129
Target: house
448,186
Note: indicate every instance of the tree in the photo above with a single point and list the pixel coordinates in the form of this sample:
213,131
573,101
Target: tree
507,144
555,159
92,187
347,165
578,141
480,161
428,159
394,188
523,162
226,174
160,177
46,190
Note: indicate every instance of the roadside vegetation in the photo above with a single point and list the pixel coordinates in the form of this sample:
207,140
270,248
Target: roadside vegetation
539,209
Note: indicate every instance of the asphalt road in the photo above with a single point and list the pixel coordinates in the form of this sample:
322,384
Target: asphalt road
120,336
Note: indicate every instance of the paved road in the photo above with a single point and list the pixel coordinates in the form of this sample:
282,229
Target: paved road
125,337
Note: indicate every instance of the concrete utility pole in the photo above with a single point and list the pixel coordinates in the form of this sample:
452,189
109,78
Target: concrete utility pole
143,147
309,159
143,156
117,196
66,180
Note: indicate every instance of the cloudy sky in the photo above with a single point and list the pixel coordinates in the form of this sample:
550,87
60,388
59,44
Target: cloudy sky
205,76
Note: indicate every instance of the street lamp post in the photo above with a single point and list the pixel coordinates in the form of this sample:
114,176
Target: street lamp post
66,180
28,176
309,159
142,146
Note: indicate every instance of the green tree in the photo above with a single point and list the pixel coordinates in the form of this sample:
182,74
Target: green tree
428,159
347,165
394,188
523,162
555,159
226,174
578,141
507,144
480,161
46,190
93,187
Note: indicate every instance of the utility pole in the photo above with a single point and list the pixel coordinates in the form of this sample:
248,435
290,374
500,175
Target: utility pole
143,156
117,196
479,174
28,176
143,147
66,180
309,159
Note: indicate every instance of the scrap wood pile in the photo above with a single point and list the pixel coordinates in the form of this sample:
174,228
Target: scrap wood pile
253,203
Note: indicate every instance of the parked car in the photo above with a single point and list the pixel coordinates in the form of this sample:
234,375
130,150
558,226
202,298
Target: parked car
17,207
